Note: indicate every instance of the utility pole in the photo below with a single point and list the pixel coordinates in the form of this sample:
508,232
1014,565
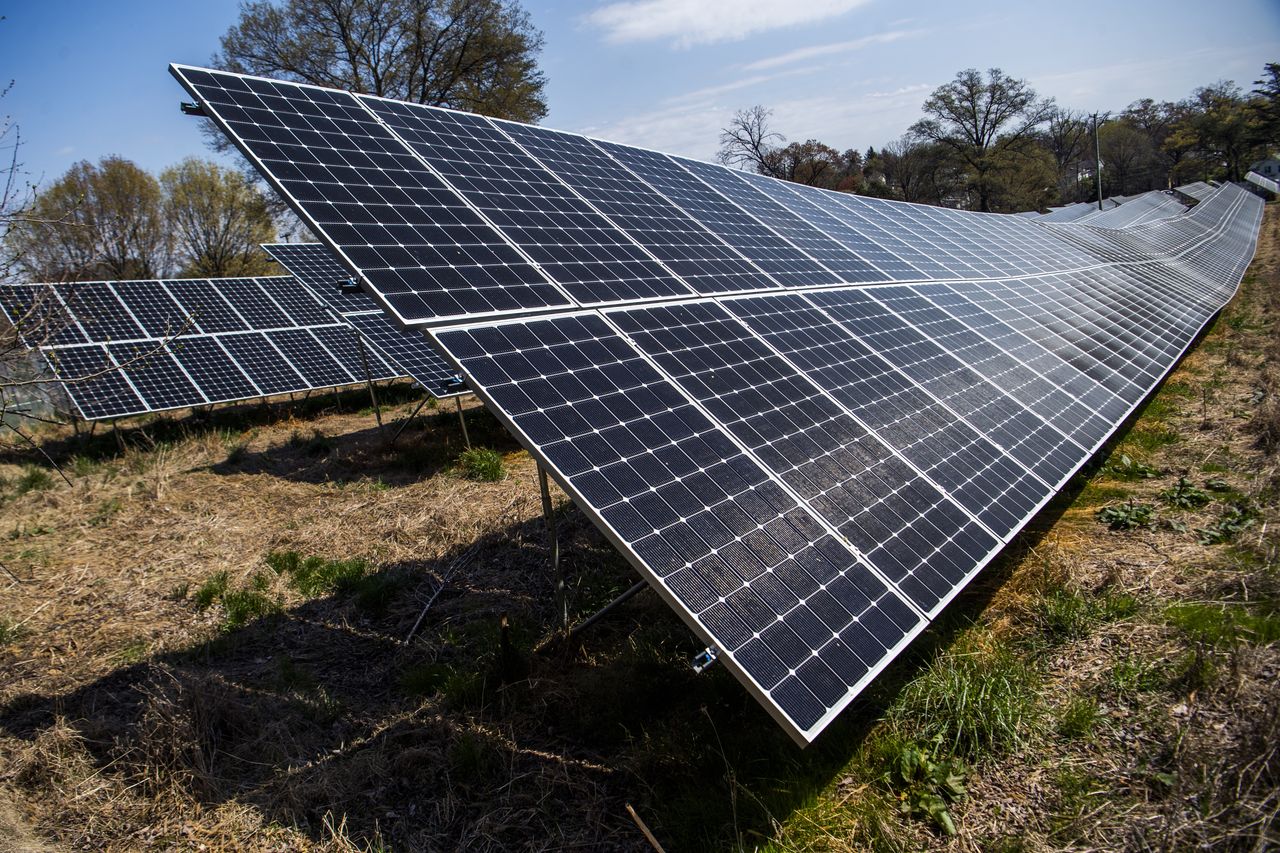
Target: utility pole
1097,159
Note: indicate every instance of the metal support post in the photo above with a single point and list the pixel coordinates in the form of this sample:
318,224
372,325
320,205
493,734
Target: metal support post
368,379
631,592
409,420
466,438
562,599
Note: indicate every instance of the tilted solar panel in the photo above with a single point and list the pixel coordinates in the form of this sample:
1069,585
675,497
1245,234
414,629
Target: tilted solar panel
330,282
129,347
807,418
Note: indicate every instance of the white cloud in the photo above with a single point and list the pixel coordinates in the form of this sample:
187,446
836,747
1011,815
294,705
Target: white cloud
828,49
842,120
690,22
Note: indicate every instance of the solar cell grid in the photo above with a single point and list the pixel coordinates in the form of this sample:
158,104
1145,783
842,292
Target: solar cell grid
782,261
903,524
571,242
790,608
826,251
972,471
687,248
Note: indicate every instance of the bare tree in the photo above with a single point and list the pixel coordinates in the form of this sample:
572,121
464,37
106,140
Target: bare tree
748,141
1068,137
474,55
985,122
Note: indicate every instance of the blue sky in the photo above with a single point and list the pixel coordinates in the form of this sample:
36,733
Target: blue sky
91,79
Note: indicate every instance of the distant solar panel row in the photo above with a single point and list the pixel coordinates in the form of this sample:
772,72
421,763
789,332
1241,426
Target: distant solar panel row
1198,190
316,268
1147,207
807,417
130,347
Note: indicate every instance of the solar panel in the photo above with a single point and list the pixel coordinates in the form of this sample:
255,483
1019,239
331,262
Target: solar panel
1198,190
324,276
130,347
1262,181
807,418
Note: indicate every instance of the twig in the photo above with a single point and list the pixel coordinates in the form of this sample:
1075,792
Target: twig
653,842
39,450
463,559
8,571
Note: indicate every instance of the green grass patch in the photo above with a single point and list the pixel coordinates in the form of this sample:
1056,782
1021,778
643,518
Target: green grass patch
241,606
210,591
978,698
1151,437
32,479
1226,624
425,679
1079,718
1131,675
1098,492
312,576
481,464
133,651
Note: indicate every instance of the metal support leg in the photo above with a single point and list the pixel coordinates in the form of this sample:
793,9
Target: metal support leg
409,420
562,599
368,379
631,592
466,438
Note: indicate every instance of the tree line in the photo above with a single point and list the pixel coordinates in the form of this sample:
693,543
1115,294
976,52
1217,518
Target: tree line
990,142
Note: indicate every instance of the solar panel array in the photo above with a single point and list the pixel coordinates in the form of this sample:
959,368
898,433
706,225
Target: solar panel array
807,418
130,347
316,268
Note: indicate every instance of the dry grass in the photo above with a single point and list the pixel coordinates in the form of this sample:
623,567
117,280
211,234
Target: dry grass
131,718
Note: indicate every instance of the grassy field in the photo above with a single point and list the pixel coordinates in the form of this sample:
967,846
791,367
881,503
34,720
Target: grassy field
203,646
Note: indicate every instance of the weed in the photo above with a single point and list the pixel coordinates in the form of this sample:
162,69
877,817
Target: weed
1127,516
1079,718
425,679
1064,615
473,759
33,479
1225,624
1194,671
242,605
133,652
210,591
1236,517
926,784
1217,484
1185,495
1131,675
481,464
1129,469
976,699
179,592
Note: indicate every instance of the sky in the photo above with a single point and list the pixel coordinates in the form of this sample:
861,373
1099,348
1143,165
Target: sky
90,78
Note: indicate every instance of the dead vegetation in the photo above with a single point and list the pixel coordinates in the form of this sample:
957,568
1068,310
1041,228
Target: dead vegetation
202,647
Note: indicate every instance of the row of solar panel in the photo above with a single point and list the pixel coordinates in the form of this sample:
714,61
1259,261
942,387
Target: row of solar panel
130,347
810,477
447,215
